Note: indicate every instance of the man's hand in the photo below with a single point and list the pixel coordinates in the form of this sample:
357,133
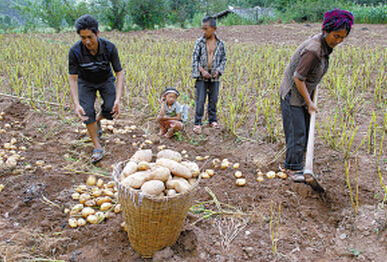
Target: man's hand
205,74
312,107
215,74
116,111
81,113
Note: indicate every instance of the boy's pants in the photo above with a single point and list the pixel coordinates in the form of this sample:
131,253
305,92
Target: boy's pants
296,127
202,89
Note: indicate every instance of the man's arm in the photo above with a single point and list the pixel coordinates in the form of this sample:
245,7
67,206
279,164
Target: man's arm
116,111
73,82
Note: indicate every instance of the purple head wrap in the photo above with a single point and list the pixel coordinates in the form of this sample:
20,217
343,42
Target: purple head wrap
337,19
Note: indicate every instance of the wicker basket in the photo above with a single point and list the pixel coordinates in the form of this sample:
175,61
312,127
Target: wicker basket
152,223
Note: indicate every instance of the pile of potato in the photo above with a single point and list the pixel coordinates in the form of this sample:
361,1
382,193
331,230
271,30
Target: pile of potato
10,154
97,202
168,176
270,175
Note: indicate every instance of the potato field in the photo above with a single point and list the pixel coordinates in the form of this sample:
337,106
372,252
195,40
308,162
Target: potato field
266,219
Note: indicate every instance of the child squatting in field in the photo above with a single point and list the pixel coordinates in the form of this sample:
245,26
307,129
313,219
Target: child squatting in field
208,63
89,70
169,118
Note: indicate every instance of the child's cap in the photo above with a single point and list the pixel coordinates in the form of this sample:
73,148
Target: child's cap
171,90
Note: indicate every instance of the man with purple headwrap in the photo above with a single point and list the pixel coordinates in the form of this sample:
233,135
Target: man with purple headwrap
305,70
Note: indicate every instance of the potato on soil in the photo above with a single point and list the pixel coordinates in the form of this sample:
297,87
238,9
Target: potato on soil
100,200
117,208
130,168
240,182
193,167
210,172
270,174
176,168
204,175
91,180
192,181
142,155
260,179
90,203
81,222
169,154
153,187
92,219
216,163
81,189
282,175
236,166
106,206
73,222
1,187
84,197
136,180
100,183
87,211
238,174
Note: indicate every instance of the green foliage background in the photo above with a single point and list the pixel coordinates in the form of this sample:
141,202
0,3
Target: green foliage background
124,15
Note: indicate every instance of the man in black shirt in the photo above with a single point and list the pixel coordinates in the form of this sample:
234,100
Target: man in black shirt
90,61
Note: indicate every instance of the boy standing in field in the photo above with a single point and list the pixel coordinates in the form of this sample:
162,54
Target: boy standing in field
169,118
90,70
208,63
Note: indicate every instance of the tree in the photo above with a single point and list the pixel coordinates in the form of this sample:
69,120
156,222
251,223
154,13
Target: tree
182,10
50,12
114,12
147,13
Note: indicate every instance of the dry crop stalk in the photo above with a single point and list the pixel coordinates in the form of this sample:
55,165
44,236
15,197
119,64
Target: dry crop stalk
274,230
355,202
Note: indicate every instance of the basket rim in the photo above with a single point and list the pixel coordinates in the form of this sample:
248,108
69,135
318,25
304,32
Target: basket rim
117,171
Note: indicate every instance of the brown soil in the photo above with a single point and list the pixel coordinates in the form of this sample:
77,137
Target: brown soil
312,227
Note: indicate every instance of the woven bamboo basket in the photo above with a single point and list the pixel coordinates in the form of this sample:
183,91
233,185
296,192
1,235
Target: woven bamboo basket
152,223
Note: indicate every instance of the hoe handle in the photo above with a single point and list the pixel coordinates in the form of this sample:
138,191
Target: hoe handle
310,147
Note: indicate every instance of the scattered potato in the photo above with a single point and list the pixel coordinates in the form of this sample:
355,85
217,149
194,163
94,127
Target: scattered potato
92,219
148,142
84,197
81,189
270,174
162,147
11,162
240,182
90,203
47,167
39,163
91,180
183,152
282,175
110,184
100,183
87,211
106,206
117,208
7,146
199,158
2,114
81,222
13,141
260,173
260,179
236,166
101,200
205,175
224,164
1,187
7,125
216,163
210,172
73,222
238,174
75,196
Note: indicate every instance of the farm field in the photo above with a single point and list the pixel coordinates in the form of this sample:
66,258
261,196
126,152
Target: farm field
273,220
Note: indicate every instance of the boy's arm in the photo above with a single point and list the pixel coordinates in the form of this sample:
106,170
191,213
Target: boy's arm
195,61
162,109
176,117
223,59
